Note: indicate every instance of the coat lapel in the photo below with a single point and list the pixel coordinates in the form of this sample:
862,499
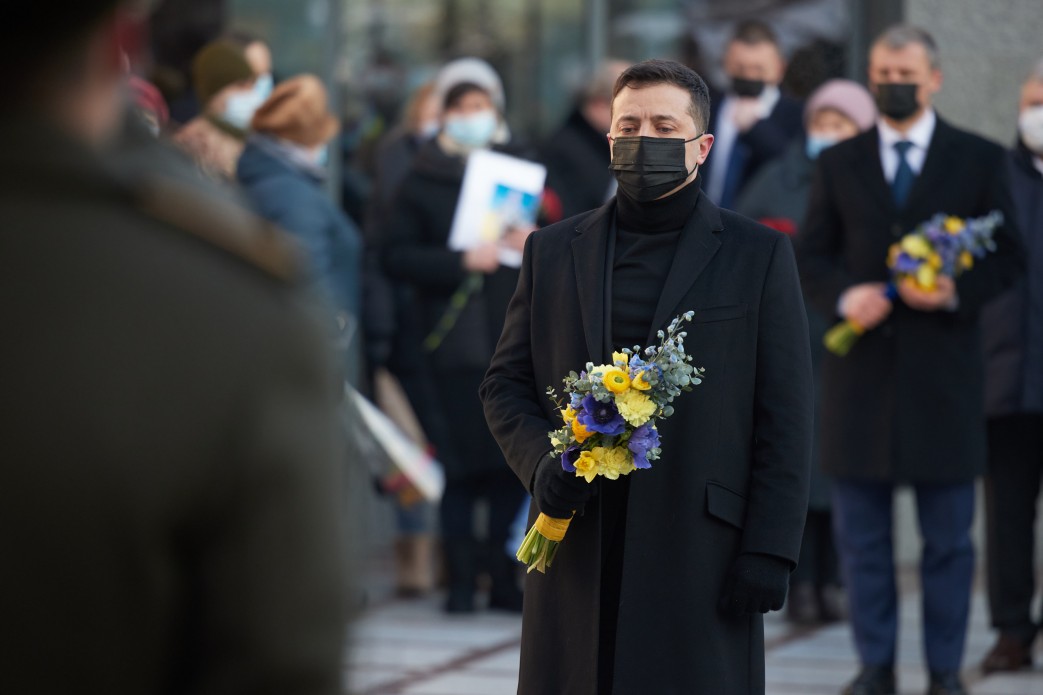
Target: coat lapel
695,248
873,175
589,250
937,165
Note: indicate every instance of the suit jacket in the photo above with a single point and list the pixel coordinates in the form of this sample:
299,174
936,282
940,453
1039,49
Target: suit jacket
905,405
765,141
733,475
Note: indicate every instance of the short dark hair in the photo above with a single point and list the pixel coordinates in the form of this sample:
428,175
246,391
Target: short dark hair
455,95
754,31
652,72
899,36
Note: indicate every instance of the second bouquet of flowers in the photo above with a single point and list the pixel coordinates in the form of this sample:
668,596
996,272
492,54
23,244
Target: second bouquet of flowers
609,422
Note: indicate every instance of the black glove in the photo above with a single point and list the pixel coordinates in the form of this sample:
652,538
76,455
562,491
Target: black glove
756,584
557,492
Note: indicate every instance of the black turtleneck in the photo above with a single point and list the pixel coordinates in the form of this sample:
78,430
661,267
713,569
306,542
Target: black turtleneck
646,237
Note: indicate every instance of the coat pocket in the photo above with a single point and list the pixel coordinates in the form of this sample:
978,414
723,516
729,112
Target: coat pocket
725,504
719,313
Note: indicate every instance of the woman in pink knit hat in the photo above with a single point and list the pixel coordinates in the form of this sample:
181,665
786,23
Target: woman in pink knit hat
778,197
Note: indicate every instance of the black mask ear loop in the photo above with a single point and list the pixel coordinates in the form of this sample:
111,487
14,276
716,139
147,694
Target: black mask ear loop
697,163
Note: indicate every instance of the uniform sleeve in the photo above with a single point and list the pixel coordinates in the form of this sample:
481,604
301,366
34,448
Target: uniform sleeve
273,574
783,411
819,246
509,392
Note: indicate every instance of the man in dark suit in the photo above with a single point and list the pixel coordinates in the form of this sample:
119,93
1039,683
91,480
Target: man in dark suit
905,405
169,505
754,122
660,583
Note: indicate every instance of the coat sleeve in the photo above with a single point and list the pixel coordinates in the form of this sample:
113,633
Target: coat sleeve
1001,268
819,246
783,411
273,567
509,392
410,257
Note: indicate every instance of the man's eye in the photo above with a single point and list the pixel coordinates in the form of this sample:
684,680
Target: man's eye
626,129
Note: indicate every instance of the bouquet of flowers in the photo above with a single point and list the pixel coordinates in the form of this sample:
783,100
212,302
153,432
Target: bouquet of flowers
610,422
944,245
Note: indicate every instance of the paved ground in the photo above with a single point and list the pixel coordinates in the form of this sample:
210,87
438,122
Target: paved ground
411,648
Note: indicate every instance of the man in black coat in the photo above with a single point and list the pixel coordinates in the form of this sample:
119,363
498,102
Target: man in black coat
905,405
1013,330
754,122
169,505
660,583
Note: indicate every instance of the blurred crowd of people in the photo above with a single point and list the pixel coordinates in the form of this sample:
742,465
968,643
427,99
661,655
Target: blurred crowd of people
400,303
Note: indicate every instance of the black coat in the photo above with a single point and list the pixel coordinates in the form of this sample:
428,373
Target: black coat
169,508
733,476
766,140
905,405
577,159
1012,324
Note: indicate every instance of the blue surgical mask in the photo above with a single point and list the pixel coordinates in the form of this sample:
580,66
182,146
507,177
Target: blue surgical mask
240,108
816,143
264,85
475,130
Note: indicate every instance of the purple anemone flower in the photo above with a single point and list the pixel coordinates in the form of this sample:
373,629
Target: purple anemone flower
601,417
568,459
642,440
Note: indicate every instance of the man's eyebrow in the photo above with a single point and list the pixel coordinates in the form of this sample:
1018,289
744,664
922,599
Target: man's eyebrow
664,118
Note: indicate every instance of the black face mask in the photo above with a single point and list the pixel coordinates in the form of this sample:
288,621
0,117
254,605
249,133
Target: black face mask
897,100
747,88
648,168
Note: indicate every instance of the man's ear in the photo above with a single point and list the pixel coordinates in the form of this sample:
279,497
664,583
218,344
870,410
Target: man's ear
704,147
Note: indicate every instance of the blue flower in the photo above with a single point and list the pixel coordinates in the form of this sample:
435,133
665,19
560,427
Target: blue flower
568,459
601,417
642,440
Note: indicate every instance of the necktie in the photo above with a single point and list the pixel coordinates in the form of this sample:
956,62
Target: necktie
904,175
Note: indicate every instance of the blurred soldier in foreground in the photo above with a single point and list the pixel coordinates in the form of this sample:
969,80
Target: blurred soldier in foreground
169,516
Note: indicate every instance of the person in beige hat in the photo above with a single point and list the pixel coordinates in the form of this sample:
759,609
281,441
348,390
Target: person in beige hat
228,91
281,170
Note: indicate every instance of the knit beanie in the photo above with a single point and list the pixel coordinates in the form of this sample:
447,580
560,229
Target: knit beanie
849,98
217,65
472,70
297,111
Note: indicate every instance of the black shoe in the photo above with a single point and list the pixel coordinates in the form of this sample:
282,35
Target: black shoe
946,683
873,680
1010,653
460,568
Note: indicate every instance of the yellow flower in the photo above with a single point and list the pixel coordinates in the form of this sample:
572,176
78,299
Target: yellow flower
568,415
966,260
954,225
581,432
916,246
635,407
935,260
892,255
620,359
615,380
587,465
925,277
639,383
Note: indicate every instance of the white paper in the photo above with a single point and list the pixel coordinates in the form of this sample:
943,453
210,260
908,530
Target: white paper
499,192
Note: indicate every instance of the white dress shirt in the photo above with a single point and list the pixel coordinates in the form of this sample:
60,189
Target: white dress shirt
920,135
725,134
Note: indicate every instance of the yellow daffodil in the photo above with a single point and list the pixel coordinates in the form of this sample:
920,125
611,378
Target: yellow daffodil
620,359
587,465
639,383
615,380
916,246
635,407
954,225
925,277
581,432
966,260
568,415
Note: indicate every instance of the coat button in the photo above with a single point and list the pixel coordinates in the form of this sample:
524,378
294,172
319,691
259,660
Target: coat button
896,230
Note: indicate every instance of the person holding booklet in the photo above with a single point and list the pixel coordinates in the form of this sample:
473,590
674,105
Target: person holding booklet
460,299
661,581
